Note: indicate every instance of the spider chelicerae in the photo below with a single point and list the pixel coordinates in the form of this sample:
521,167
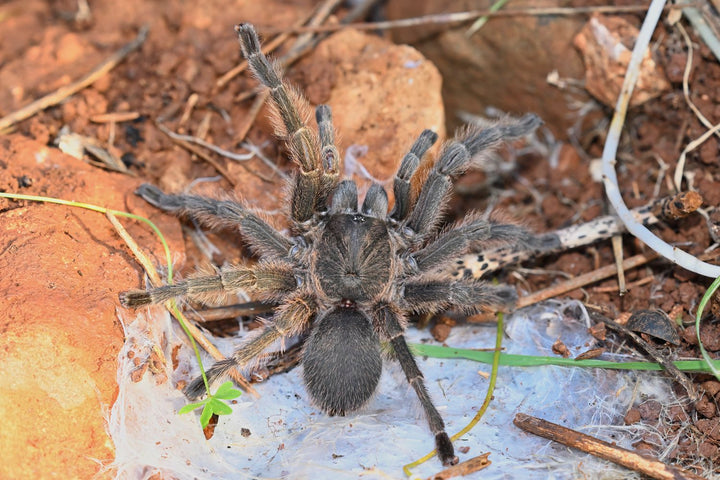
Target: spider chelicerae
350,274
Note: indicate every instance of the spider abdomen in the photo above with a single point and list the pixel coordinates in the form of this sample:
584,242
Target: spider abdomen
342,361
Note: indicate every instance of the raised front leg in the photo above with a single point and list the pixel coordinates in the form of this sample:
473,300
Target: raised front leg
454,160
292,109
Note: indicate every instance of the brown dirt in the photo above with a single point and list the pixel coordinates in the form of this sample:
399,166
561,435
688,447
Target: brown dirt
62,268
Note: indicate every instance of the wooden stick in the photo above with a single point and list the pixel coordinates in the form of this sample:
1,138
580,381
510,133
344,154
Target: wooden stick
63,92
571,284
192,148
585,443
585,279
462,17
465,468
114,117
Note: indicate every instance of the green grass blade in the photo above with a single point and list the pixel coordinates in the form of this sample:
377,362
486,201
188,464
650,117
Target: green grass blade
515,360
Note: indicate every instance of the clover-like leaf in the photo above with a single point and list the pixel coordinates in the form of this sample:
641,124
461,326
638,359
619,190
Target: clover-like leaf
219,407
191,406
206,414
227,392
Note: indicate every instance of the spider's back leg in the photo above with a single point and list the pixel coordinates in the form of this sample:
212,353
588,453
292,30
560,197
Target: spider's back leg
304,145
387,320
291,318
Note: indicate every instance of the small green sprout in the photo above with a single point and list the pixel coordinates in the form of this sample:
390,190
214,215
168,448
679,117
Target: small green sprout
214,403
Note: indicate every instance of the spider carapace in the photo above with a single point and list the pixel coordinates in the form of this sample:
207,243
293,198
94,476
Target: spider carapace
348,274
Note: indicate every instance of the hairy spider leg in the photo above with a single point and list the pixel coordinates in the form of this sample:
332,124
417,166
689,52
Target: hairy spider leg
468,236
303,144
468,295
408,166
261,237
454,160
291,318
388,321
329,155
272,279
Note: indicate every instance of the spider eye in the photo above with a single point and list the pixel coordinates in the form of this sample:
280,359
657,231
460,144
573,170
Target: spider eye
299,280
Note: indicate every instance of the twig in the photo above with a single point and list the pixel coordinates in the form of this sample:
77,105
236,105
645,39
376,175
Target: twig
616,241
607,451
63,92
189,107
251,115
199,141
461,17
668,365
192,148
135,249
601,228
629,286
465,468
115,117
610,181
231,311
677,178
585,279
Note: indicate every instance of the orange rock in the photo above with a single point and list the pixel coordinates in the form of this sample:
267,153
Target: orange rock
606,44
62,268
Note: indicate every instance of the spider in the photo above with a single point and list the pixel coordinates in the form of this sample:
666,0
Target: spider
350,274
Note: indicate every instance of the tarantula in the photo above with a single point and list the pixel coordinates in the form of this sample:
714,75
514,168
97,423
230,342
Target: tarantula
350,274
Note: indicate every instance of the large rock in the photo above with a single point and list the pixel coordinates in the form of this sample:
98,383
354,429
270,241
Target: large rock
62,268
505,64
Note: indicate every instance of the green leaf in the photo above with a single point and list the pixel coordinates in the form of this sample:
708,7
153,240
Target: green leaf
219,407
191,406
206,414
515,360
706,298
227,392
